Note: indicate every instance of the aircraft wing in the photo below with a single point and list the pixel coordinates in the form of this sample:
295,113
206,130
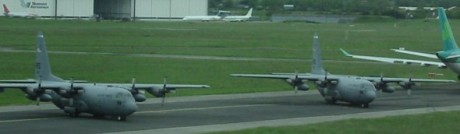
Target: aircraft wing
50,86
34,81
291,73
396,60
303,77
396,80
415,53
154,86
65,85
18,81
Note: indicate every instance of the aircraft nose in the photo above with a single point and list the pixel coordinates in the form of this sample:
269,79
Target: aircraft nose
130,108
371,95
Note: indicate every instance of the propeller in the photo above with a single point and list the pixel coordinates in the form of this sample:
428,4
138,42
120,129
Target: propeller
296,82
324,82
409,86
72,91
164,90
71,84
325,76
380,85
133,87
38,91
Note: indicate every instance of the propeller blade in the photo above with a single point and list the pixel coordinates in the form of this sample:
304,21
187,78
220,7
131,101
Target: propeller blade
71,84
40,84
296,89
38,100
164,91
38,92
71,101
133,82
410,83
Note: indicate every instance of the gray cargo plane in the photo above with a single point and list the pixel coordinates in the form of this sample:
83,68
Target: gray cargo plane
101,99
353,89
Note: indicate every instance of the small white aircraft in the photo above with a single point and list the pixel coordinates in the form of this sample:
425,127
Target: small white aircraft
8,13
239,18
220,15
449,56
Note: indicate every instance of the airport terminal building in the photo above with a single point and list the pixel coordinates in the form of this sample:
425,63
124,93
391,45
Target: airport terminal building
110,9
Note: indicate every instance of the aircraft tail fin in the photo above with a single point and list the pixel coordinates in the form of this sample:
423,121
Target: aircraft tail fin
249,14
43,68
448,39
317,63
5,9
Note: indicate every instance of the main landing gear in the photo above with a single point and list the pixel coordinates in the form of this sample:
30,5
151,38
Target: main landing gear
121,118
330,100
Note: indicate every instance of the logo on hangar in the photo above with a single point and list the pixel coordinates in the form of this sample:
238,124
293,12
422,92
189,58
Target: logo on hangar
34,4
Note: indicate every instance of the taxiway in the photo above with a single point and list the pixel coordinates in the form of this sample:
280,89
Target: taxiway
237,111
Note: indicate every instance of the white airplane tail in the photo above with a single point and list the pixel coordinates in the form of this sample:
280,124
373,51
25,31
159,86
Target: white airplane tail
249,14
43,68
5,9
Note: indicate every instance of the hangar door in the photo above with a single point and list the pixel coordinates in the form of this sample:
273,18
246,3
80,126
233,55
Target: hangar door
113,9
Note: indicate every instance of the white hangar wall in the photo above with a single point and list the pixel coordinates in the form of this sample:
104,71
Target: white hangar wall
142,9
169,8
48,8
75,8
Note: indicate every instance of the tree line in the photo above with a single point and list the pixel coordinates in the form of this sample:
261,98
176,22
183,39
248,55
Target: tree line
343,7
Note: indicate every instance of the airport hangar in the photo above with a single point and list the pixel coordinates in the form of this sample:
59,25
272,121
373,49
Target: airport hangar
110,9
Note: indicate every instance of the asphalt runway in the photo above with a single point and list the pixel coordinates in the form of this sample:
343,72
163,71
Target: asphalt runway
217,109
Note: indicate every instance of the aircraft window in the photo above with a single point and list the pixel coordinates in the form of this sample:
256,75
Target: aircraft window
361,92
119,102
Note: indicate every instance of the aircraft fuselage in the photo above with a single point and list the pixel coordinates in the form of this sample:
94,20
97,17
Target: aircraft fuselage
350,89
98,100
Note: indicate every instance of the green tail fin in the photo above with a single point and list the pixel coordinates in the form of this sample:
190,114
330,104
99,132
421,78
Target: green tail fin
448,39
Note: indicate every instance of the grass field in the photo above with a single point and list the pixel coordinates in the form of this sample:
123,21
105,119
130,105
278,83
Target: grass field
254,39
440,122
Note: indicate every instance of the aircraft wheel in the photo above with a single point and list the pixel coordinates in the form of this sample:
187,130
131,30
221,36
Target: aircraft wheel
365,105
331,101
121,118
72,114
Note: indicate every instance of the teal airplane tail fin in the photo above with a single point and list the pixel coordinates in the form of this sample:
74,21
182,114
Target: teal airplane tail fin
448,39
317,62
43,68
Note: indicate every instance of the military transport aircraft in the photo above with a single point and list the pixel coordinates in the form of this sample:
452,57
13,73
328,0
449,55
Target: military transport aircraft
101,99
449,56
353,89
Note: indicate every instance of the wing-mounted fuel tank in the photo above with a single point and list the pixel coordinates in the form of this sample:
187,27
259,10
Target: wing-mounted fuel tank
37,94
298,84
158,92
